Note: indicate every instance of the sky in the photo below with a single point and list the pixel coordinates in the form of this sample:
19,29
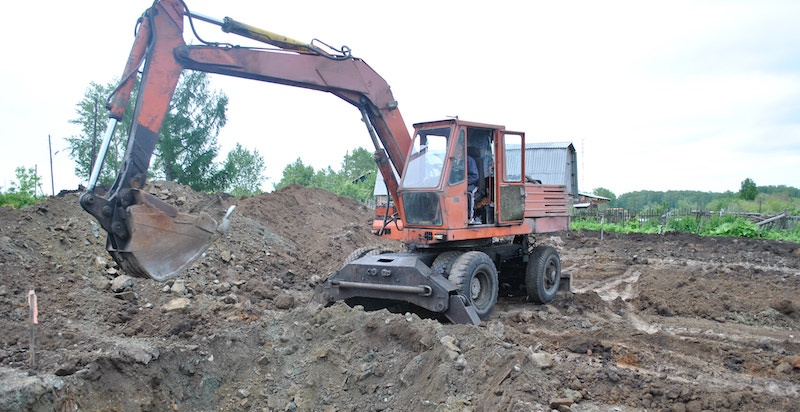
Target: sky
654,95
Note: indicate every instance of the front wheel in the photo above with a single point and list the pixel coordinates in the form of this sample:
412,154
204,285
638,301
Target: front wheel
476,277
543,274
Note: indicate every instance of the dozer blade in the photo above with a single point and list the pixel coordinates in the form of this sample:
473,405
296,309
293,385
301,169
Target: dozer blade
163,241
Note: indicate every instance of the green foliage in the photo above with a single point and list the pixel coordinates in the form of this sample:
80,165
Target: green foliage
187,143
732,226
187,146
244,171
355,180
677,211
770,200
749,190
93,120
23,191
790,235
296,173
686,199
601,191
686,224
717,225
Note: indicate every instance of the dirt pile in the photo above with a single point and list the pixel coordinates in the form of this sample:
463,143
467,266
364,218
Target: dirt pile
673,322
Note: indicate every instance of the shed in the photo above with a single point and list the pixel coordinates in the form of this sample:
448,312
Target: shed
553,163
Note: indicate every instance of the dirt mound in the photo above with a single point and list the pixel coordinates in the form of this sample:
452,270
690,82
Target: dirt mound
673,322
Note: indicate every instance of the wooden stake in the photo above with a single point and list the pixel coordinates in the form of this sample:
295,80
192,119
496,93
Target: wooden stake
34,320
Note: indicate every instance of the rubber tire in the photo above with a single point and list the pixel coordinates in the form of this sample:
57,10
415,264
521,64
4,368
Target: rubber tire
364,251
444,262
543,274
475,276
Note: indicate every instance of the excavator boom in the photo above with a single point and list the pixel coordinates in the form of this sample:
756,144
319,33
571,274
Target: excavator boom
139,226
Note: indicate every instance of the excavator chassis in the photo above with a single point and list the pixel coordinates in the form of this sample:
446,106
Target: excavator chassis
393,278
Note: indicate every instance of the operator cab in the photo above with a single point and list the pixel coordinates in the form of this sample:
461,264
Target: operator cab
449,178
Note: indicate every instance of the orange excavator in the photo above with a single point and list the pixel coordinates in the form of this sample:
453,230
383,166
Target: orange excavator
460,198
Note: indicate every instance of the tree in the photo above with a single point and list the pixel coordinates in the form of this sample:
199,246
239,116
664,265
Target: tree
23,191
749,190
355,180
244,171
187,143
601,191
359,171
84,148
296,173
187,146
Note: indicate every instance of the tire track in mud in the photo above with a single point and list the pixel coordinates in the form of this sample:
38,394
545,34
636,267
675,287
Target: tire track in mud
691,368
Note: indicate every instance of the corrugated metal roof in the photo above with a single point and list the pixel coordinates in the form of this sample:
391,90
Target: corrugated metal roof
552,163
548,145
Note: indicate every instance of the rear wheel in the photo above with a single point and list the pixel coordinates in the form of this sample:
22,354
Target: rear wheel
543,274
476,277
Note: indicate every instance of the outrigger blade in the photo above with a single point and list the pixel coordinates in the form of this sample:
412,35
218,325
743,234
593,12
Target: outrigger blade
164,241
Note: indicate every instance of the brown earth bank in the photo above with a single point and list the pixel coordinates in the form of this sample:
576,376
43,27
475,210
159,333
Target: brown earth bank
674,322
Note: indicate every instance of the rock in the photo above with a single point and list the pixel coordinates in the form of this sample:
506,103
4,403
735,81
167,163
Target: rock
449,343
178,288
127,295
461,363
524,316
542,360
91,372
784,367
558,402
65,370
178,304
226,256
101,262
497,328
120,283
230,299
784,306
284,301
243,393
694,406
793,360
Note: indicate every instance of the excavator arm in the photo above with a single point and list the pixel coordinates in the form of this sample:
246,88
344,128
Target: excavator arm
150,238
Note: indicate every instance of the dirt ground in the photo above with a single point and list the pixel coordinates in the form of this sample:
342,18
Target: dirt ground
658,323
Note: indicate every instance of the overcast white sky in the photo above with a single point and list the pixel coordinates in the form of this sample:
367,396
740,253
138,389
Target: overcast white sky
655,95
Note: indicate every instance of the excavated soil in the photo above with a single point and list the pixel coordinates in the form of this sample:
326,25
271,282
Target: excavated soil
673,322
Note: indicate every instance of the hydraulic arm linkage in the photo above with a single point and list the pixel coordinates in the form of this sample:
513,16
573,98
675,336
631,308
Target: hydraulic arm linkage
150,238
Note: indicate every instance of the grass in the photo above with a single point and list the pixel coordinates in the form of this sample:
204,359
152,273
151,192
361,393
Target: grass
724,225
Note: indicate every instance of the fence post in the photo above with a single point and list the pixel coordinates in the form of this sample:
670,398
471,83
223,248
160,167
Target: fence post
602,226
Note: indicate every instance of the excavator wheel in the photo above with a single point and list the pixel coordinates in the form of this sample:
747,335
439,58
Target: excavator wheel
364,251
475,276
543,274
444,262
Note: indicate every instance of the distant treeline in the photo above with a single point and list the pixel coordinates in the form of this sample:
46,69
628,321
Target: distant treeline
690,199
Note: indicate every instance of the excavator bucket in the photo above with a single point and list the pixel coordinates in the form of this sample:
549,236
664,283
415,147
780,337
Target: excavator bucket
164,241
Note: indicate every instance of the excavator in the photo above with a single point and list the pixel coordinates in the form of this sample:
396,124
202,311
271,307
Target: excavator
460,198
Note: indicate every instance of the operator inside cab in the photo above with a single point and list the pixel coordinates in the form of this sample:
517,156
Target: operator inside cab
480,174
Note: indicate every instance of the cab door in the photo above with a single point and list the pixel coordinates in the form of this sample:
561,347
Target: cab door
510,178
